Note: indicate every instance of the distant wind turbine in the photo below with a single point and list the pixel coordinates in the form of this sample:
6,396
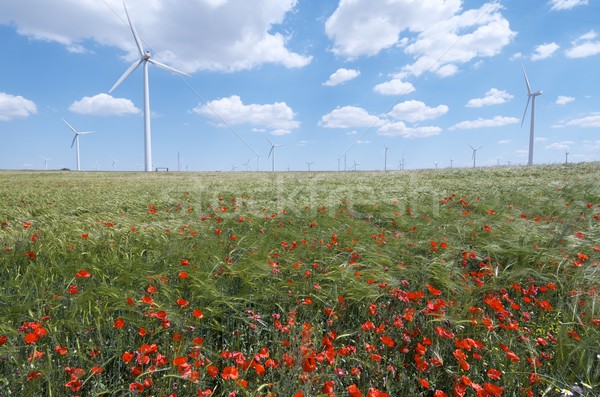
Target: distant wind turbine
355,165
309,164
566,156
46,163
475,153
114,164
436,164
257,158
385,150
76,141
247,164
144,59
272,154
530,97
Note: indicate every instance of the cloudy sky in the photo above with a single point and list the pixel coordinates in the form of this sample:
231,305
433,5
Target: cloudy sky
331,82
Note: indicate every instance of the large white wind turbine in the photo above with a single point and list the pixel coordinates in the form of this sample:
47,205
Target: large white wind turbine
530,97
272,154
76,140
144,60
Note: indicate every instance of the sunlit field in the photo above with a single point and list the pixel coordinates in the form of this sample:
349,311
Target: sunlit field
472,282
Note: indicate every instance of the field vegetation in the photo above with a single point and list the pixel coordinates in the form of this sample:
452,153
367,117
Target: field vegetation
463,282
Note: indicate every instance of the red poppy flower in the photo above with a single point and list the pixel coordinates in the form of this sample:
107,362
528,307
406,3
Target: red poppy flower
83,274
96,370
127,357
494,374
3,339
182,302
33,375
424,383
353,391
230,373
119,323
198,313
493,390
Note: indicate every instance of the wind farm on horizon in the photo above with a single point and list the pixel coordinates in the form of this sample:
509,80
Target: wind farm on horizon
385,159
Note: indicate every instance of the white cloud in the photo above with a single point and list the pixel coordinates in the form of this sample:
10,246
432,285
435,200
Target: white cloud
584,46
366,27
341,76
544,51
497,121
349,117
593,120
504,141
566,4
394,87
103,105
413,111
563,145
223,35
356,117
400,129
563,100
278,117
493,97
15,107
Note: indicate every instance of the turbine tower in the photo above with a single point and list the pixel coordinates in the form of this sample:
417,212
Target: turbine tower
309,164
530,97
272,154
76,141
144,60
385,150
475,153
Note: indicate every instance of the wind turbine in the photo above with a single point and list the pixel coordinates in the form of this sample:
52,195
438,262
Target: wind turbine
530,97
144,60
385,150
76,140
436,164
309,164
566,156
114,164
257,158
475,153
355,165
247,164
46,163
272,154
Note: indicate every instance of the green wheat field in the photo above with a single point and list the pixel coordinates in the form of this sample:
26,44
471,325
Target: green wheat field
453,282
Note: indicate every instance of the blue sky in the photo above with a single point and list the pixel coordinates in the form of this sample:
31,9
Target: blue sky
326,80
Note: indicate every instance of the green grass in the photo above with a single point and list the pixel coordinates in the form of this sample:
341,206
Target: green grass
305,281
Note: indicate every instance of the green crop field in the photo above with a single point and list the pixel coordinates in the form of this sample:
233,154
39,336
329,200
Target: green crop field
478,282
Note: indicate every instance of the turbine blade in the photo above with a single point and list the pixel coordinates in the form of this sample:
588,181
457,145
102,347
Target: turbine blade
525,112
170,69
527,82
126,74
271,151
74,139
86,132
269,141
138,42
72,129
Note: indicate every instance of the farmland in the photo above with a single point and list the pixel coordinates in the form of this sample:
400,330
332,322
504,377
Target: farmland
478,282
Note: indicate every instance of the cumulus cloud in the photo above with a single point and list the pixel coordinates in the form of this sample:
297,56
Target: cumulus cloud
103,105
544,51
559,5
390,124
498,121
15,107
493,97
278,116
592,120
563,145
413,111
223,35
349,117
341,76
366,27
584,46
394,87
563,100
